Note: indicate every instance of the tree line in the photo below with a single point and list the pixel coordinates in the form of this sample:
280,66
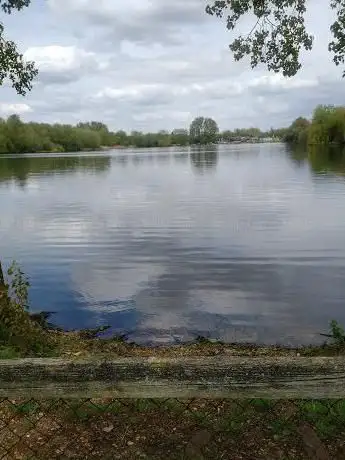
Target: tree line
327,126
17,136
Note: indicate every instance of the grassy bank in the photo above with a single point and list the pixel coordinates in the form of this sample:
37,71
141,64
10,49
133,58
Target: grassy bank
172,429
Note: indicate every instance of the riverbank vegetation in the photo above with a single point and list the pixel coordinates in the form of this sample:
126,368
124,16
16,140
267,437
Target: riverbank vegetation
327,127
17,136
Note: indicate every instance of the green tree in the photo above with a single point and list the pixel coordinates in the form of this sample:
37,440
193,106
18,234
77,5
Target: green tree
104,135
88,139
328,125
121,138
247,132
297,133
19,137
279,32
227,136
203,131
278,133
180,137
13,67
163,139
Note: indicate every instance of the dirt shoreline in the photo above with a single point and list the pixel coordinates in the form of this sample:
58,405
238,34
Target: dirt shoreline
73,344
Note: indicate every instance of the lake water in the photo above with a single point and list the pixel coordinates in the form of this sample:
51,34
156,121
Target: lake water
242,243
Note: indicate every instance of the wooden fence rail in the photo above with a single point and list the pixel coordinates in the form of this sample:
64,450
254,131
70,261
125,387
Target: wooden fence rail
202,377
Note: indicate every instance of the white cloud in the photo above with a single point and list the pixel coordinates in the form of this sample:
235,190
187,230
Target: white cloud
8,109
151,65
133,92
163,115
129,20
56,58
61,64
277,81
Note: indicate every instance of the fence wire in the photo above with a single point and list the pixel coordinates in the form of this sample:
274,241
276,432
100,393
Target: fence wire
172,429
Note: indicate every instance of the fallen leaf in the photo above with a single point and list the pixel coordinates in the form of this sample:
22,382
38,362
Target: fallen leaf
108,429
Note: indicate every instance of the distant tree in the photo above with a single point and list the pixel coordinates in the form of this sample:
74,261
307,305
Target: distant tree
278,133
93,125
88,139
146,140
297,133
279,33
13,67
180,137
4,147
105,137
163,139
136,139
327,126
247,132
203,131
121,138
227,136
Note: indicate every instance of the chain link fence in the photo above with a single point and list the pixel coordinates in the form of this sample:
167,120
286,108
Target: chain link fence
172,429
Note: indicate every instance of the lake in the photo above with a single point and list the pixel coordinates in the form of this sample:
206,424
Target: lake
243,243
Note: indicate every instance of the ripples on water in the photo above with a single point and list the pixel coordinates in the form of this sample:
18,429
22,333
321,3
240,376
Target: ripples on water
242,243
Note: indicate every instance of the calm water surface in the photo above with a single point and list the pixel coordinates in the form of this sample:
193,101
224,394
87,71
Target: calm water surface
242,243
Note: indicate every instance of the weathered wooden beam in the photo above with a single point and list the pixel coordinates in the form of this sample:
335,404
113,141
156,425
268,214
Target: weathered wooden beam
202,377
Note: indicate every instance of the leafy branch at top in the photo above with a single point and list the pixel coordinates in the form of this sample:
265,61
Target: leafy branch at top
13,66
279,33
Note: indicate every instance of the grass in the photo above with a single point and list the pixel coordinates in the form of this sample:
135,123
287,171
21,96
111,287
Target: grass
8,352
173,429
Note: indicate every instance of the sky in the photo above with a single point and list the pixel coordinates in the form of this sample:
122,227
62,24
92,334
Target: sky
153,64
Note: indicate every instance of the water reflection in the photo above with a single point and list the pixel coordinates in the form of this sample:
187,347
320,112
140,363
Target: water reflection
298,154
254,251
327,159
121,160
21,168
321,158
204,159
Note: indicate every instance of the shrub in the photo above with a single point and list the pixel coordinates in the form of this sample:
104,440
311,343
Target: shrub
17,330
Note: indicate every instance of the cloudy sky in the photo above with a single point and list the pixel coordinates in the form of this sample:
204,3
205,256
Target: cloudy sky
154,64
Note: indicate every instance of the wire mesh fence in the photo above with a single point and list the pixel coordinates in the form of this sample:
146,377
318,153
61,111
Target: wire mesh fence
172,429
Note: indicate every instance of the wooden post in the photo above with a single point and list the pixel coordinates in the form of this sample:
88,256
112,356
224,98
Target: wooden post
233,377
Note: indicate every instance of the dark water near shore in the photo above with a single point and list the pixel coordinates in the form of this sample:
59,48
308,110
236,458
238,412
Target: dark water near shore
242,243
